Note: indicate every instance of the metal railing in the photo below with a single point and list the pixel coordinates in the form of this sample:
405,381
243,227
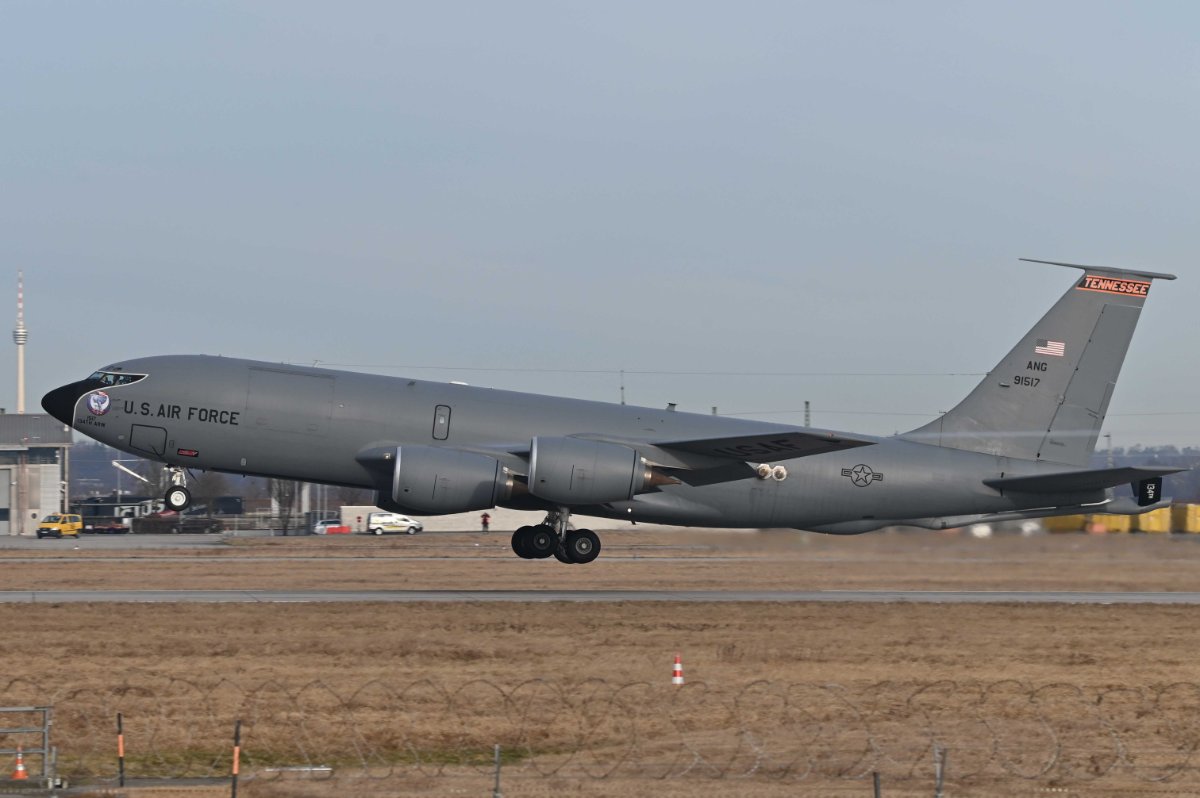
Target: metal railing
37,730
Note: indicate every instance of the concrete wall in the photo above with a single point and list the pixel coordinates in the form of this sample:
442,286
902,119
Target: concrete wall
42,497
51,494
6,479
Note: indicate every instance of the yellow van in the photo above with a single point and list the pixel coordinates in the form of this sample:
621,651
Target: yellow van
57,525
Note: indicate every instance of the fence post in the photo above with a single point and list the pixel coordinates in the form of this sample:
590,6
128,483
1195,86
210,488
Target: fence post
237,756
120,751
878,793
939,769
496,789
47,722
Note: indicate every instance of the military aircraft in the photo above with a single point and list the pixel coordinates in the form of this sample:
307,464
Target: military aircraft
1018,446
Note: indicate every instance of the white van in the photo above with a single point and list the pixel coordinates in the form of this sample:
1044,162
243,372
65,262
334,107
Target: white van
379,523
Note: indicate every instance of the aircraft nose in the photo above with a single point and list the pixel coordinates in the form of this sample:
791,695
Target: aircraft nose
60,402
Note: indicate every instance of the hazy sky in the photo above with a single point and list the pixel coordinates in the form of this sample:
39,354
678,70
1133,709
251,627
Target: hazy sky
727,188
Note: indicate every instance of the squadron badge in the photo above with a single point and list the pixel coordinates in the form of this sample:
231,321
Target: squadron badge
98,403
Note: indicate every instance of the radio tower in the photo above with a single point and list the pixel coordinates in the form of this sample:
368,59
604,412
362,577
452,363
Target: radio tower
20,336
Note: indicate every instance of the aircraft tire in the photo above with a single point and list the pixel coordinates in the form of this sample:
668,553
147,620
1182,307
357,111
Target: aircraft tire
519,542
178,498
582,546
560,554
540,542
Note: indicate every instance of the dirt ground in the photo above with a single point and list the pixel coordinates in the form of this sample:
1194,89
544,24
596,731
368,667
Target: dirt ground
630,560
781,699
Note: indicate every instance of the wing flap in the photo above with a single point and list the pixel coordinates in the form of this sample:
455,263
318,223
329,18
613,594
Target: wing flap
781,445
1079,481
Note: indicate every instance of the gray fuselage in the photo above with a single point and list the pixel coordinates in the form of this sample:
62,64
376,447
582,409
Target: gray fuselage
283,421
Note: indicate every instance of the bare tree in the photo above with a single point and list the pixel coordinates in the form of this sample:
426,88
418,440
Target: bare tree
353,496
208,488
256,488
285,492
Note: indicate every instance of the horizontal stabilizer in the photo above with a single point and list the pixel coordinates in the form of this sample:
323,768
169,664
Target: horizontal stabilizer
781,445
1079,481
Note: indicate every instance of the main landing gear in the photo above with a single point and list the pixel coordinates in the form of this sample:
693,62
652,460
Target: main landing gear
178,497
552,538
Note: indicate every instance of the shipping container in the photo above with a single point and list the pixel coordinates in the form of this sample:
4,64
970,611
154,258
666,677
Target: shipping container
1064,523
1186,518
1104,522
1158,521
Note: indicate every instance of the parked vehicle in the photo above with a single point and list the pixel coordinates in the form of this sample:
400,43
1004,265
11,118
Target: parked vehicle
171,523
381,523
330,526
59,525
106,526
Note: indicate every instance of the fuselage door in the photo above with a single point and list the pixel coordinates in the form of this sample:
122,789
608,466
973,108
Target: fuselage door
152,440
441,422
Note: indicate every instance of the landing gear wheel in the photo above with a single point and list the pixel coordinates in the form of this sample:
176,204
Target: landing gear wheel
541,542
178,498
581,546
520,542
560,554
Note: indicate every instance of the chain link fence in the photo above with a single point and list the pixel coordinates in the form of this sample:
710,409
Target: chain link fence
1043,736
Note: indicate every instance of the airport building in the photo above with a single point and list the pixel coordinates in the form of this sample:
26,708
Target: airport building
34,462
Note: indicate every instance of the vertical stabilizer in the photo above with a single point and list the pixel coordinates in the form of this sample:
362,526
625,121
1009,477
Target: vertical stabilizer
1047,398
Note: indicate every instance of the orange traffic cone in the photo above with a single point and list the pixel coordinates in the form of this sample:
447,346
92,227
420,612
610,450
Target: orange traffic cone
677,672
20,774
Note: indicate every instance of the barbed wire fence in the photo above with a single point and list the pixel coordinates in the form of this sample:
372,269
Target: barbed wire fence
1048,734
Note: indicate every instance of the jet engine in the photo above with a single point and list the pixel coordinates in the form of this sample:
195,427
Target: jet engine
574,471
435,481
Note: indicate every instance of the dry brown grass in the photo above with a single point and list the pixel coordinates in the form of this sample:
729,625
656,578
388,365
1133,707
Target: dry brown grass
691,560
181,673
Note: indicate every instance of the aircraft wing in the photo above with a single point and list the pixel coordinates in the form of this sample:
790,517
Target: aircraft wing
696,461
1079,481
705,461
768,446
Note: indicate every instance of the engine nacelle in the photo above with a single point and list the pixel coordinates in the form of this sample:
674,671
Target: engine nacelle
577,471
435,481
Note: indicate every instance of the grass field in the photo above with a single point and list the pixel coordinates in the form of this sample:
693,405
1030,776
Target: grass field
631,560
1026,697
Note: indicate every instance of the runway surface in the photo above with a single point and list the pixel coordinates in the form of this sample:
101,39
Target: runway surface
583,596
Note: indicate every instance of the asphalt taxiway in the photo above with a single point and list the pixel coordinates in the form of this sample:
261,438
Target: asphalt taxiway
584,596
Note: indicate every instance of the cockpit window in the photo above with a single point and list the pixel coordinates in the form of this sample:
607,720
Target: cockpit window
110,378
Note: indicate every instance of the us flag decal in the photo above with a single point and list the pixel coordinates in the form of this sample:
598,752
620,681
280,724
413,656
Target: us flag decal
1051,348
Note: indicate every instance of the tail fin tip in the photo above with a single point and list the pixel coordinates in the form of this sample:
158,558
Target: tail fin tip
1104,269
